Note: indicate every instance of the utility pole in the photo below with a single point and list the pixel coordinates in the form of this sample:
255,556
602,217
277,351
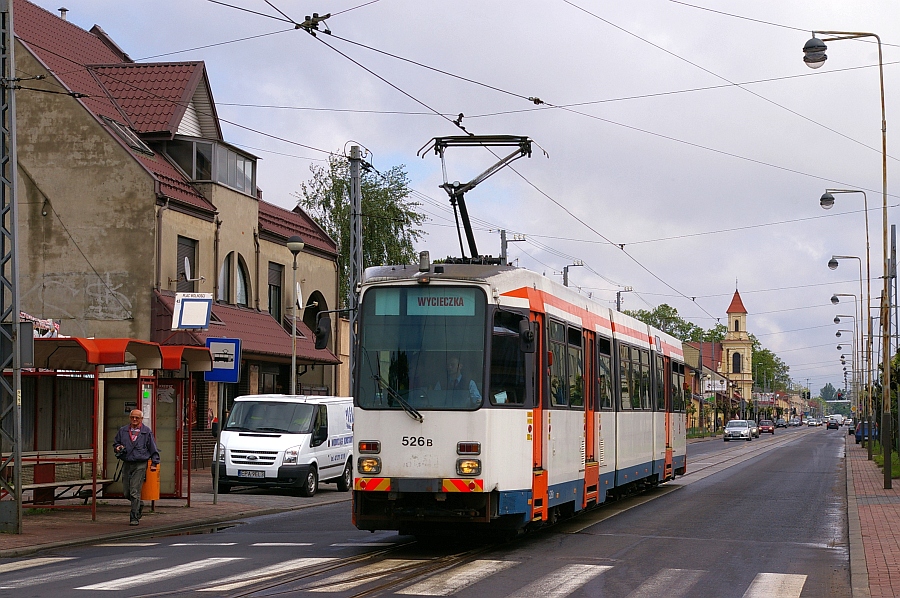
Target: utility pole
10,358
619,297
355,257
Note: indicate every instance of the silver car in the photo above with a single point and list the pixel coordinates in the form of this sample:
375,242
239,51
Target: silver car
738,429
754,428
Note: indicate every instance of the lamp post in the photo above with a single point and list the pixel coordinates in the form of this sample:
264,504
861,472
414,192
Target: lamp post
814,57
566,271
856,357
619,303
295,245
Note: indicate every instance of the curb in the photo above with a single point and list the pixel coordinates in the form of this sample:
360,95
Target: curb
859,574
162,530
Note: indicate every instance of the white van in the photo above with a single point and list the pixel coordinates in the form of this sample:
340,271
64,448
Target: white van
288,441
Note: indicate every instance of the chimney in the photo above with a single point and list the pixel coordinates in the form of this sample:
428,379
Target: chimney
62,12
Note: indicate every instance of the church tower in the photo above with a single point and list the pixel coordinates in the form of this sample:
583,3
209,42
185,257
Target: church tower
737,349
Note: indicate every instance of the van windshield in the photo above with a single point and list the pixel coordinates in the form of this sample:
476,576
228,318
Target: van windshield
271,416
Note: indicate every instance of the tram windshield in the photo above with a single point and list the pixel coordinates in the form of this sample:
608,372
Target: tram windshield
421,345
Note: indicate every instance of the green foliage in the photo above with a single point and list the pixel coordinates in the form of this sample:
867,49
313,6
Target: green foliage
666,318
390,220
769,371
828,392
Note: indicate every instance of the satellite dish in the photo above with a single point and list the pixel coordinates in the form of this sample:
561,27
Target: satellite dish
187,268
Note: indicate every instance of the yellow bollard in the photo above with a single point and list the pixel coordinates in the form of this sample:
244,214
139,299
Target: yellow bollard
150,491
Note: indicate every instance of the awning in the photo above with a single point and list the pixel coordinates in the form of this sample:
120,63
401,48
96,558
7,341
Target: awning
85,354
259,332
198,358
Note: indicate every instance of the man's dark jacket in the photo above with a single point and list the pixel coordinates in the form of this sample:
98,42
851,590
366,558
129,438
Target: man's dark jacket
142,449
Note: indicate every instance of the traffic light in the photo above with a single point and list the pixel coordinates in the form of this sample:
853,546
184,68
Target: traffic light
840,395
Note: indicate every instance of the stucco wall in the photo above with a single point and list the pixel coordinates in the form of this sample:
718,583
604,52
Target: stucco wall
86,218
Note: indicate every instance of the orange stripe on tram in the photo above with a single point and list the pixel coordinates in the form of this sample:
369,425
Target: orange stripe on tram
372,484
458,485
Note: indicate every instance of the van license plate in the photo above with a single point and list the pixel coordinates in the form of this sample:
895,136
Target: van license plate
249,473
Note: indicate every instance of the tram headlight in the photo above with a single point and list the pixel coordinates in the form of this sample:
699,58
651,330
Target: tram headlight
369,465
468,466
290,455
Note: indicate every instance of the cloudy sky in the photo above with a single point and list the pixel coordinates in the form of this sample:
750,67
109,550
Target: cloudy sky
686,143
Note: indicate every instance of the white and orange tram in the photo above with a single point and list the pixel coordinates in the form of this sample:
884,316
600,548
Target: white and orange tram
491,397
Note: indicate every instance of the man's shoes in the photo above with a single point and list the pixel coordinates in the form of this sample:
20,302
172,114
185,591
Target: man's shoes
134,522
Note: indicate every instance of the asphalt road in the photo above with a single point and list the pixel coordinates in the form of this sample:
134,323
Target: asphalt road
752,519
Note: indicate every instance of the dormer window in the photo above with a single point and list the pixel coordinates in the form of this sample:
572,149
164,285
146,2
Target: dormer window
208,161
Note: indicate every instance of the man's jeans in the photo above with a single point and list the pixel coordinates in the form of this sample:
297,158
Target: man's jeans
133,474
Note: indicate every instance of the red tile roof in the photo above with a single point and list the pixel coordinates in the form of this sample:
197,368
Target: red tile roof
285,223
259,332
68,51
154,96
737,306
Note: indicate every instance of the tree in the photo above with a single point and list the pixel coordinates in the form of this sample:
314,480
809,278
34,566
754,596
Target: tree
666,318
828,392
390,220
770,373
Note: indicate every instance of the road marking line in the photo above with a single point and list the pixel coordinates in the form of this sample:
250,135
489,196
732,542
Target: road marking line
257,575
561,582
282,544
9,567
366,544
204,544
776,585
76,572
668,582
144,579
127,544
450,582
357,577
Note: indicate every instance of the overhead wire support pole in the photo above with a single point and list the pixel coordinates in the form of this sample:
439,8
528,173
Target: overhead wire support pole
356,257
10,358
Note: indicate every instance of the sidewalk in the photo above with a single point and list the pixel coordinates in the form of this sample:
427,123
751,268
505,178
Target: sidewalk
55,528
874,516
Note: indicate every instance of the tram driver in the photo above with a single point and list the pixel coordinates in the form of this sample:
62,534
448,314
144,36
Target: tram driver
456,383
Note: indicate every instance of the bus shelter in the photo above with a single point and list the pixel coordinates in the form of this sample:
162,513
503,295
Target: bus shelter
79,393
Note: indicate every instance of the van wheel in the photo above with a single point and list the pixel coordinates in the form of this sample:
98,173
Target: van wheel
311,485
346,480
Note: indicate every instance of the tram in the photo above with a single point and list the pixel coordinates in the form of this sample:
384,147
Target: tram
489,397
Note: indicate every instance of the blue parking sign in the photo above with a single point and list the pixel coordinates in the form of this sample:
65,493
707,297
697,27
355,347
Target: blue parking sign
226,360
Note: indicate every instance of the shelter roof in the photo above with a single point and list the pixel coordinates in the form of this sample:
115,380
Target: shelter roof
259,332
737,306
85,354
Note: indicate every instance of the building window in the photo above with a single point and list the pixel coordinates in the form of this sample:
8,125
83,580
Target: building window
276,281
208,161
242,287
128,136
735,363
224,293
187,251
737,325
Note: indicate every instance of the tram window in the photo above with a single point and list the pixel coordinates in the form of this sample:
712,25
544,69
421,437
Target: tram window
644,379
660,379
625,376
576,368
604,383
507,361
559,390
679,392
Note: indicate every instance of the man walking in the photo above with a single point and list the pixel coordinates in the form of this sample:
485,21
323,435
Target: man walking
136,440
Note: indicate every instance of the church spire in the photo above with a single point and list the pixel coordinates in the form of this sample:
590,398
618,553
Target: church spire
737,306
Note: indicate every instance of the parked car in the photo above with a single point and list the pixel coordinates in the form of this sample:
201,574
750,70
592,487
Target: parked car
738,429
754,428
862,432
851,426
780,423
767,426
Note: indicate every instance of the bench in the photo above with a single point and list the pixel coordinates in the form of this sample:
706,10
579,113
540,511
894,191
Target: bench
53,475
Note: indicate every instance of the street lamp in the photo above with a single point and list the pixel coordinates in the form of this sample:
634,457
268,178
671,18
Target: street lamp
619,302
295,245
566,271
814,57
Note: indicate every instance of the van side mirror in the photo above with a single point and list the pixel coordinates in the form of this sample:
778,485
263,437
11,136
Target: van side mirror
323,331
526,336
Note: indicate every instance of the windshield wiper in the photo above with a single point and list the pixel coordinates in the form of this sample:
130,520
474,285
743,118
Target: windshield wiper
238,428
271,430
410,411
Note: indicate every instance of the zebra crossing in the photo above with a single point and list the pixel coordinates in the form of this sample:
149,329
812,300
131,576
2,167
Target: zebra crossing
229,573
